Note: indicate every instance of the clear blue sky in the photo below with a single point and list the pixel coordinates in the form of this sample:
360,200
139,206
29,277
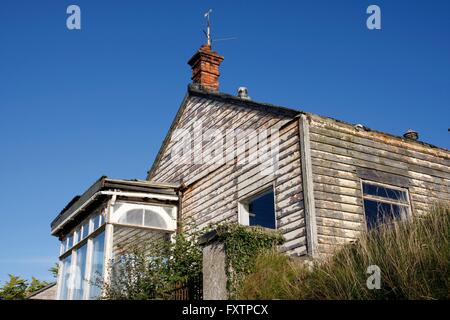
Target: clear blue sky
75,105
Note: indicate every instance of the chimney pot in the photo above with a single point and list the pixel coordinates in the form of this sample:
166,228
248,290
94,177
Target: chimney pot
411,135
205,68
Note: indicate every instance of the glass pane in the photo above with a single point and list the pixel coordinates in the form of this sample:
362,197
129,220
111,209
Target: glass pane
380,191
134,217
65,279
379,212
153,219
170,212
69,242
85,230
97,221
262,211
79,273
75,237
97,266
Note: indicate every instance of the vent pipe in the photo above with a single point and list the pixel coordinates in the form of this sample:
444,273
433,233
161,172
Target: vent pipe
243,93
411,135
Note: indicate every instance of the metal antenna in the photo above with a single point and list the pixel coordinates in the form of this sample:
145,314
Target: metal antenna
225,39
208,27
207,33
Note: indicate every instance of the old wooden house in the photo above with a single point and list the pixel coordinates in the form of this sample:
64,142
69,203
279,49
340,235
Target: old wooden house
318,180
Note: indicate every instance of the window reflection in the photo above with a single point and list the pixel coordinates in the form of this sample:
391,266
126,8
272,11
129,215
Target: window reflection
382,204
97,266
79,273
66,277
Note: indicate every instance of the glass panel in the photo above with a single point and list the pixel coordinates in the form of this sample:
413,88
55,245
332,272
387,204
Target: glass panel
170,211
380,191
69,242
97,266
380,212
76,236
65,279
97,221
134,217
79,273
154,219
262,211
85,230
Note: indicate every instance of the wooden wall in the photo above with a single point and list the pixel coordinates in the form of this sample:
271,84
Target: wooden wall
340,153
214,190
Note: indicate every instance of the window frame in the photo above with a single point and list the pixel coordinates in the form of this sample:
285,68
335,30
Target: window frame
115,220
73,252
243,204
408,204
77,232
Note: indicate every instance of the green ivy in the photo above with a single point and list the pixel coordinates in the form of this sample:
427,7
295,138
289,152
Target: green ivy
242,245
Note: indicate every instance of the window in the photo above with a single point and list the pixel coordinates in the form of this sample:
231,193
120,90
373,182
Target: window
80,272
259,210
84,230
150,216
88,227
97,221
76,236
69,242
382,203
97,266
79,258
153,219
133,217
66,277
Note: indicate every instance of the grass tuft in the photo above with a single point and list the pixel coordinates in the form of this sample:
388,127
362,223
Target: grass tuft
413,256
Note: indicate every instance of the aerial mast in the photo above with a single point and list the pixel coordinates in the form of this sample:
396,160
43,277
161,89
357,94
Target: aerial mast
208,27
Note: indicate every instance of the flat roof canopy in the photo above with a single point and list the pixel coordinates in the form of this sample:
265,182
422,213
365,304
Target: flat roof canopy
106,187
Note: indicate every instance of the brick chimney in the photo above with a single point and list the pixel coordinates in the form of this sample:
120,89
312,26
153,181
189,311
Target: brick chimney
205,68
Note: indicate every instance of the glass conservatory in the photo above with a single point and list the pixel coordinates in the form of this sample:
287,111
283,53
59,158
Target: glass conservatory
100,225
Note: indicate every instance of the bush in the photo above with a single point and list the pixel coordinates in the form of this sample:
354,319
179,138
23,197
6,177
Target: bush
153,270
413,256
243,244
17,288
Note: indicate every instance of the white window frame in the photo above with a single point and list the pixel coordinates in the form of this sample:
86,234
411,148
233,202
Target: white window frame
88,241
123,207
243,204
77,231
107,227
385,200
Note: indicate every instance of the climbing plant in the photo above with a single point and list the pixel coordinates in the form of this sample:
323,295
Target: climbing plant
243,244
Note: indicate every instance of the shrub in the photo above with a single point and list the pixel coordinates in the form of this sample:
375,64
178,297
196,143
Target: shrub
153,270
243,244
413,256
17,288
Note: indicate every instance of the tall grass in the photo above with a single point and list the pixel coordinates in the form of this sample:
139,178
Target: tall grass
413,256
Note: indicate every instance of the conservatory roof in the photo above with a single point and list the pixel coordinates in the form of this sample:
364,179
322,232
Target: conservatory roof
106,187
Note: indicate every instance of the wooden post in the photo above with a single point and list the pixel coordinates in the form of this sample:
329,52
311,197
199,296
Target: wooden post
214,268
308,190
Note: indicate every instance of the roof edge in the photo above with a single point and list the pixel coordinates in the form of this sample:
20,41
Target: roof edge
195,91
381,133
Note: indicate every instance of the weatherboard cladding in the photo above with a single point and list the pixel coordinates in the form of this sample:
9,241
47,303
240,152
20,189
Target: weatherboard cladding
340,156
334,154
211,191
